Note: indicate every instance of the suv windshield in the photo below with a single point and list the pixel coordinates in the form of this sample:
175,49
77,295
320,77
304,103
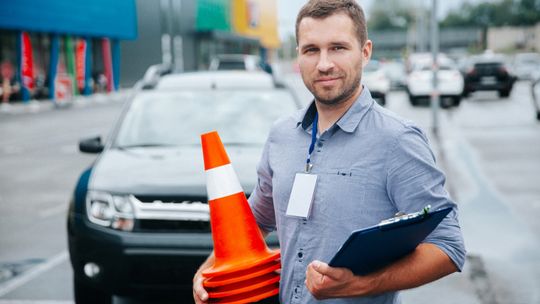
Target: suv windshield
170,118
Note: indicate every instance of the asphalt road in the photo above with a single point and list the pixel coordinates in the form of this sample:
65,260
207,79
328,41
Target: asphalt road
40,164
488,147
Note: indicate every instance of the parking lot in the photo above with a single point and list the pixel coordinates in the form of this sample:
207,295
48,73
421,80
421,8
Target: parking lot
487,146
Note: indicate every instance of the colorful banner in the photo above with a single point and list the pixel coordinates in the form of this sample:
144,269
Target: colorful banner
70,62
53,64
88,67
107,63
80,63
26,67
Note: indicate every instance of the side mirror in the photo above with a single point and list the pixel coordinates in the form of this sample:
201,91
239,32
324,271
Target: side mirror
91,145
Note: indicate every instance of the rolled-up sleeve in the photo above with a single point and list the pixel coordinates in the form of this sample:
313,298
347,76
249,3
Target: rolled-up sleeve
414,181
261,200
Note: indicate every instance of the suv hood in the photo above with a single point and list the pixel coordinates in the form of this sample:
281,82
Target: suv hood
167,171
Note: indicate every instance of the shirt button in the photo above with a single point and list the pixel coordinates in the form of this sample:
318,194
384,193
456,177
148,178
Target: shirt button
320,144
300,255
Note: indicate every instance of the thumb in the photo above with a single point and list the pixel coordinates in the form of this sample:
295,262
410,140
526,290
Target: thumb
325,269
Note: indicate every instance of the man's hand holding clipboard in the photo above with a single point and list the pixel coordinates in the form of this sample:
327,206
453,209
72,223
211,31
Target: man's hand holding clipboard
369,249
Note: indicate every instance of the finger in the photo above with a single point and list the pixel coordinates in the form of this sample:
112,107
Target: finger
199,291
313,276
325,269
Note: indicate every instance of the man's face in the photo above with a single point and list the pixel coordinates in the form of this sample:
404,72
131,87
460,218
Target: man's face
330,57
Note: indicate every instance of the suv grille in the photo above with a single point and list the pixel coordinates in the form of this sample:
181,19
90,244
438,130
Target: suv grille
171,213
172,226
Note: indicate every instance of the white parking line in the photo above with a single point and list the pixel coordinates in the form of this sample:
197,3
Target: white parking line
34,272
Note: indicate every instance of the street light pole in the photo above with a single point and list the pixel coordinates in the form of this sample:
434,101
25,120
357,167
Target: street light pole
435,97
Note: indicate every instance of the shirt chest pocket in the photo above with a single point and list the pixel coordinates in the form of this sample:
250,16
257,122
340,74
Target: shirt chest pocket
351,196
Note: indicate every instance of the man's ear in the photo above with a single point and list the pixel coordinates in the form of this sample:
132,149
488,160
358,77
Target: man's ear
366,52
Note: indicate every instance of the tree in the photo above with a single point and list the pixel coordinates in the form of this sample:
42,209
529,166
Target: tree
501,13
390,15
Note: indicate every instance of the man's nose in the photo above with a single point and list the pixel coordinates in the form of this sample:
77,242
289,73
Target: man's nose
325,63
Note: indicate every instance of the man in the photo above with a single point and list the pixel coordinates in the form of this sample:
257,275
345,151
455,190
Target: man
369,165
6,73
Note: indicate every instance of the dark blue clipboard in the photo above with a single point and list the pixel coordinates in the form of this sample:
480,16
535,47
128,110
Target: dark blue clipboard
369,249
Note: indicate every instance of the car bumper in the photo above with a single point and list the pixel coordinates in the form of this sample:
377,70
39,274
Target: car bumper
478,86
445,89
138,263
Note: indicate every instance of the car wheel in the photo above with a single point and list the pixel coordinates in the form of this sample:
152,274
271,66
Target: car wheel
456,101
382,101
538,115
86,294
445,103
413,100
504,93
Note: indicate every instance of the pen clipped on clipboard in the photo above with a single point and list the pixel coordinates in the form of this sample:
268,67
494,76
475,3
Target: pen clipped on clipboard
402,217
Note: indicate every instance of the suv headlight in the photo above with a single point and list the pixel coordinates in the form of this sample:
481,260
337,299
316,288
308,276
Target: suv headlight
109,210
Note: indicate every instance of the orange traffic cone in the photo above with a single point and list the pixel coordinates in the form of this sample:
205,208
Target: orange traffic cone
244,267
242,275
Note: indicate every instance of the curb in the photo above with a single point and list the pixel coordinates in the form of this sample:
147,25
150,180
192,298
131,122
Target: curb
35,106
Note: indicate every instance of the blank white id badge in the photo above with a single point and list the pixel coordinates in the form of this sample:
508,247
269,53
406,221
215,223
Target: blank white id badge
302,194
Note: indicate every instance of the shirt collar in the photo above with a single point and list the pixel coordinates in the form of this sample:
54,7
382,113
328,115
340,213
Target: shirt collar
349,121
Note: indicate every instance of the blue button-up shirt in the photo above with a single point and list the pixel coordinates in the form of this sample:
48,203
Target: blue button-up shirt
370,165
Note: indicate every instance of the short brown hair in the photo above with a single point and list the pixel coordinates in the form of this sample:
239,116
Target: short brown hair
320,9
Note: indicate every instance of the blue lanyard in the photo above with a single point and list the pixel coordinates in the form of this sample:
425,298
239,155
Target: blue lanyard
313,141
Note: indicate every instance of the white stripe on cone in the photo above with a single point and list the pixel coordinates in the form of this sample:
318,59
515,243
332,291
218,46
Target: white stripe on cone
222,181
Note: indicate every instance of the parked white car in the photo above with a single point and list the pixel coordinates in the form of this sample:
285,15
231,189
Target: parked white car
376,80
420,82
526,64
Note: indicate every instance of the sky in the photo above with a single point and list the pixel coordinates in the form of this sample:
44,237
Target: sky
288,9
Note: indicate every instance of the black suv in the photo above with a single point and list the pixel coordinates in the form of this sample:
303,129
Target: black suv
138,222
489,74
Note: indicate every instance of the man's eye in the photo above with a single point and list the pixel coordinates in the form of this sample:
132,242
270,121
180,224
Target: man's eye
310,50
337,48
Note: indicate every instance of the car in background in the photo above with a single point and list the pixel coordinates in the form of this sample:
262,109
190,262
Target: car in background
396,73
489,72
152,75
525,65
138,221
243,62
375,79
535,90
420,82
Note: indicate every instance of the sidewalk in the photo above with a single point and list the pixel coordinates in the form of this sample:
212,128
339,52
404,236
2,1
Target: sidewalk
457,288
37,106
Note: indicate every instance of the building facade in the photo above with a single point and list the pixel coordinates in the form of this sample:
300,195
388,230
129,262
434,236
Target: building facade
58,48
186,34
511,38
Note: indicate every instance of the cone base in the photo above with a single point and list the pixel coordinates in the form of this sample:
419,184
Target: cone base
248,297
244,286
231,267
242,275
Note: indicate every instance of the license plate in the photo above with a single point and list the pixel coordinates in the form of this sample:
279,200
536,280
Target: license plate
489,80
